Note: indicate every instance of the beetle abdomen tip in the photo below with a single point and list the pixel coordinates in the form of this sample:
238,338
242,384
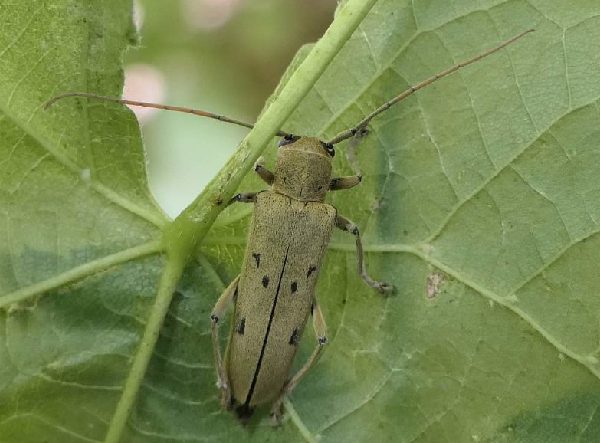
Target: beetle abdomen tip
244,412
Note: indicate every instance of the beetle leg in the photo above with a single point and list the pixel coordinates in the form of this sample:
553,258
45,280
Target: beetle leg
243,197
346,225
225,300
352,147
344,182
267,176
321,333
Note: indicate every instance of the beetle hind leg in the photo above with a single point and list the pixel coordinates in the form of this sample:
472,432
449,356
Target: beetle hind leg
321,333
225,300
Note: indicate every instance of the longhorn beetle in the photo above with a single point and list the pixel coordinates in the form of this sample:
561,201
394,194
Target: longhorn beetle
288,235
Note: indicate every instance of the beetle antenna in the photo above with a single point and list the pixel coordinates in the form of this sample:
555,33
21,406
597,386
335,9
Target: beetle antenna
362,125
154,105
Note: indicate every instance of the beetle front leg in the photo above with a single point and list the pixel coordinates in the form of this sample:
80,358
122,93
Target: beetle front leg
225,300
321,333
344,182
346,225
267,176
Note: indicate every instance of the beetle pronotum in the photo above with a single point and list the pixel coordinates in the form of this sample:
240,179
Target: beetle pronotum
289,233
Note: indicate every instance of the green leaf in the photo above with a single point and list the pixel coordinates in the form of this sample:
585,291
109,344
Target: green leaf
479,202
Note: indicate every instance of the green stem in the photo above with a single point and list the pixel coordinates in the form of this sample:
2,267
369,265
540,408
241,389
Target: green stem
167,285
183,235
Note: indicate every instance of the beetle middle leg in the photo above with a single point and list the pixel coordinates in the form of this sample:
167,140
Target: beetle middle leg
243,197
225,300
321,333
346,225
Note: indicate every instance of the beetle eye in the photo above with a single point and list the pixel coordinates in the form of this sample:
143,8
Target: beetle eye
329,148
288,139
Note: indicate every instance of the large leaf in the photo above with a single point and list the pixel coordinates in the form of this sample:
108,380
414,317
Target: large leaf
477,202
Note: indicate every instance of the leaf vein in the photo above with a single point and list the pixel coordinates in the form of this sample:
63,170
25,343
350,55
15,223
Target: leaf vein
552,261
80,272
588,362
488,180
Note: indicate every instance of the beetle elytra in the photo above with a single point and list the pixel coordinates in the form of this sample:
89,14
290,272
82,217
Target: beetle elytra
273,295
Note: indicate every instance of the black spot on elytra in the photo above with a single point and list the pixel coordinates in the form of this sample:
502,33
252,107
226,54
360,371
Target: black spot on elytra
256,258
241,326
294,337
294,287
310,271
265,281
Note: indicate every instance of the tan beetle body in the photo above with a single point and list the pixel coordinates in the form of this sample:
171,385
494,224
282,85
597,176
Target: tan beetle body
286,243
274,293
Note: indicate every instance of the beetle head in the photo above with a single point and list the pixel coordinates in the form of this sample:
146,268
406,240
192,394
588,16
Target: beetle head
303,168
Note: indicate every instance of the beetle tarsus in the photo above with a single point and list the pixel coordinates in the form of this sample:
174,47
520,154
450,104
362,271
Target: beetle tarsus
346,225
383,287
277,413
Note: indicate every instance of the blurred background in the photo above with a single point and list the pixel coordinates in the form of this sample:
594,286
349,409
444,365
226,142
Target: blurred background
223,56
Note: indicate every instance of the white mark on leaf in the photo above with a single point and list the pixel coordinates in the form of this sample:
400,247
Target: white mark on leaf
86,175
434,284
